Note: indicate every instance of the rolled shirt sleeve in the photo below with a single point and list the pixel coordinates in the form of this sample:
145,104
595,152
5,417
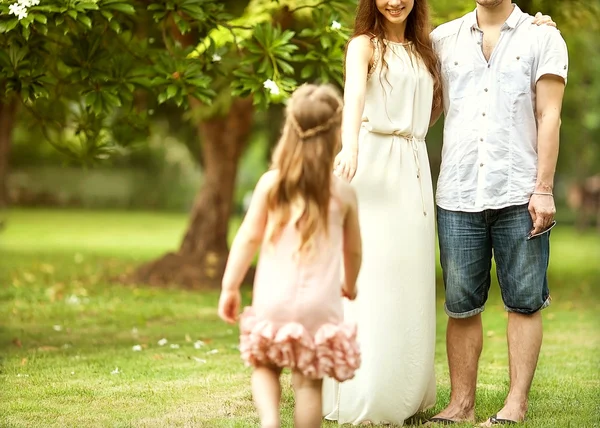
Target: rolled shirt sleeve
553,56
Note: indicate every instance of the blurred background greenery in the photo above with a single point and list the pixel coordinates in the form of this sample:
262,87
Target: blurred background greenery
100,131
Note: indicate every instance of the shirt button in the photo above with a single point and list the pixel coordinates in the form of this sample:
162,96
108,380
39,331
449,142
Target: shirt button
480,165
481,139
455,62
489,65
518,58
486,89
483,114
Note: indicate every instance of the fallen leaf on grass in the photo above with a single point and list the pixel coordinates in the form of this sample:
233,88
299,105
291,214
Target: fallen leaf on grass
47,348
174,346
47,268
73,300
198,344
213,351
23,361
116,371
57,327
56,292
199,360
22,375
28,277
136,348
188,338
162,342
17,342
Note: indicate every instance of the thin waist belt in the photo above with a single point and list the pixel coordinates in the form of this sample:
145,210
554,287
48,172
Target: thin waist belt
415,150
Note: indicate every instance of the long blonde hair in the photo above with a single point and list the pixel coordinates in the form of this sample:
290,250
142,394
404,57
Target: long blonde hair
304,158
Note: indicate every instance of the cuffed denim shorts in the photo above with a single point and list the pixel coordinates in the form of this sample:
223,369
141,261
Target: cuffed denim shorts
468,240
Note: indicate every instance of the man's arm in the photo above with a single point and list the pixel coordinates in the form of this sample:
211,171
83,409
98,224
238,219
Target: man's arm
549,95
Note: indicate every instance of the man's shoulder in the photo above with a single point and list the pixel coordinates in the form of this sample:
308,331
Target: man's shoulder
447,29
540,34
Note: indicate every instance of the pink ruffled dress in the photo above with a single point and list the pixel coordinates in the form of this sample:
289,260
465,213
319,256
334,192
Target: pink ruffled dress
295,320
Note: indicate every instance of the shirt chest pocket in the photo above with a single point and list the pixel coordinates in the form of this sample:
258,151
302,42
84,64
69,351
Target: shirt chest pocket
459,74
514,74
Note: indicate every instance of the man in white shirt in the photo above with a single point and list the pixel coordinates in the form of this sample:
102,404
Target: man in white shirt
504,81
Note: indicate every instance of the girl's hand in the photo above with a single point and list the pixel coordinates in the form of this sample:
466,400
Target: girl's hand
350,295
345,163
229,306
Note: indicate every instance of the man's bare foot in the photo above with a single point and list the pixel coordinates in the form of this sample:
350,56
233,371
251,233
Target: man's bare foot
455,414
508,414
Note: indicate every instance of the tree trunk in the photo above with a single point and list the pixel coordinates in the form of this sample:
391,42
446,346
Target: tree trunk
7,123
201,258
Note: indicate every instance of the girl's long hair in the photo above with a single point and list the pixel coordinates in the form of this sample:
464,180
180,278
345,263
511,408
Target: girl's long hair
304,158
370,22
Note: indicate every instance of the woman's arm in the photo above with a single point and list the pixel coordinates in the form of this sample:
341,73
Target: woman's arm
358,56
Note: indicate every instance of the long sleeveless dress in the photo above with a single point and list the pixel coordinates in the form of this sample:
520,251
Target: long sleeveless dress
395,307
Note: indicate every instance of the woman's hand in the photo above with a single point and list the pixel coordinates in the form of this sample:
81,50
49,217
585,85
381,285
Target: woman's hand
345,163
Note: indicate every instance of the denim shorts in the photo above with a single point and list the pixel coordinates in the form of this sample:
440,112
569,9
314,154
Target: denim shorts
467,242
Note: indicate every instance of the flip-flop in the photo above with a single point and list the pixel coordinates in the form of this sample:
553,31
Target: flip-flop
442,421
494,420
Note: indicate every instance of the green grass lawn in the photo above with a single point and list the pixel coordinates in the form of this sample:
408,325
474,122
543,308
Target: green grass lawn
67,334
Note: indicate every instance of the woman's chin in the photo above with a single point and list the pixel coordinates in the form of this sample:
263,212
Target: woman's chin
396,19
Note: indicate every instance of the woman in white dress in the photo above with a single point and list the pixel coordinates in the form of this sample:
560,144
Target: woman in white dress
392,84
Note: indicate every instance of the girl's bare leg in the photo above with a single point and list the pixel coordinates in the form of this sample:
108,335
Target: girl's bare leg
308,401
266,391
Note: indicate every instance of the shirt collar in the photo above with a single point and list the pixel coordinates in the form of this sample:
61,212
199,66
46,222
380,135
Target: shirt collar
511,22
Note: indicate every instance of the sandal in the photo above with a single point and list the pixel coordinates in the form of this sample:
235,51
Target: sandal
494,420
442,421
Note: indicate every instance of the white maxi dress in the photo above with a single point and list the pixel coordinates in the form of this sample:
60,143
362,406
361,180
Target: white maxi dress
395,307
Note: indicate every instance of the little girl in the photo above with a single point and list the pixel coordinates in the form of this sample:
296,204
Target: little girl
306,222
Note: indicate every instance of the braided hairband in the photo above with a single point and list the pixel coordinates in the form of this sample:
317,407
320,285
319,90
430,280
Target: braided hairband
317,129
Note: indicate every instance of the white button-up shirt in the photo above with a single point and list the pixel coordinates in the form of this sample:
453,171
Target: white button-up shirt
489,155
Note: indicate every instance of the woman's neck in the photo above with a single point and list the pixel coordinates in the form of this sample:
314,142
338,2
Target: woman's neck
396,32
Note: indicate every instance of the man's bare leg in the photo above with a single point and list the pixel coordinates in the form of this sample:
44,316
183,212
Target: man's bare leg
464,341
524,343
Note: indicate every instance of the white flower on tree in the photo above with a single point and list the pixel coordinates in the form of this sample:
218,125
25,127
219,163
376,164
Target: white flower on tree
336,25
272,87
19,9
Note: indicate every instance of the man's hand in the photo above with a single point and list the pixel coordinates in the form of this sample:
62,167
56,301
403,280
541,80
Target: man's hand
229,306
540,19
542,210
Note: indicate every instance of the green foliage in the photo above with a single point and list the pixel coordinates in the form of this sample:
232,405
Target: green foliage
103,64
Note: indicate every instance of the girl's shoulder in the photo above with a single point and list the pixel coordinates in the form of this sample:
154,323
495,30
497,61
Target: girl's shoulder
267,180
